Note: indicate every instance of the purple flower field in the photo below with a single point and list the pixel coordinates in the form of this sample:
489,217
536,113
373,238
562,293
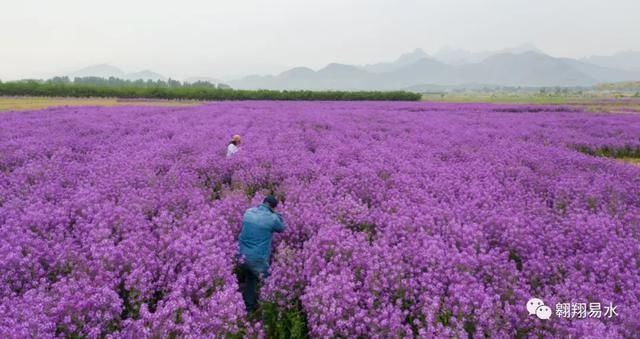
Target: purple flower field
403,219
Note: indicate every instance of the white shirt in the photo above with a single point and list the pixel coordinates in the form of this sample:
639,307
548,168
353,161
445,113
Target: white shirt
231,150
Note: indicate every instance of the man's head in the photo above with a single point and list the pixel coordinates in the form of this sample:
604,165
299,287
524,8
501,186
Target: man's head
236,139
271,202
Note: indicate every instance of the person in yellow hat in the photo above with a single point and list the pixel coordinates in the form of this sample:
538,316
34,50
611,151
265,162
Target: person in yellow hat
234,146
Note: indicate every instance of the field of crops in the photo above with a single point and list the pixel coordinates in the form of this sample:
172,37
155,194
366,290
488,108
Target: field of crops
403,219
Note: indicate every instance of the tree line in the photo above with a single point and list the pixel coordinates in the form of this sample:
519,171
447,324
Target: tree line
176,90
117,82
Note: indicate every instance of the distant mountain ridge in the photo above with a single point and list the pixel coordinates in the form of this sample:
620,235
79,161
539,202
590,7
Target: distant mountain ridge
100,70
627,60
521,66
107,71
524,65
457,57
403,60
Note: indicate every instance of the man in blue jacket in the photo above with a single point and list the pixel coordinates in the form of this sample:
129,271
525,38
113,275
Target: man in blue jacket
258,225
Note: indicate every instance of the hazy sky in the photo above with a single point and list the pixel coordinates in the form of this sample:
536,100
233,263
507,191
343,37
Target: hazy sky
223,39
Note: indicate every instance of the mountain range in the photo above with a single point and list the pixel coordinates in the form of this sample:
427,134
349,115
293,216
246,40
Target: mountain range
457,56
628,60
107,71
525,66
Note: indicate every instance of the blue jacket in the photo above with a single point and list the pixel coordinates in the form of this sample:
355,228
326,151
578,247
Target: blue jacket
258,224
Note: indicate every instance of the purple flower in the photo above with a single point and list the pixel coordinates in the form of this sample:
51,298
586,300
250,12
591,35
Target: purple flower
403,219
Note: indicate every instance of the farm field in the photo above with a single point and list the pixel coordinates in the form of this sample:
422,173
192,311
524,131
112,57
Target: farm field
409,219
32,103
603,104
597,103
